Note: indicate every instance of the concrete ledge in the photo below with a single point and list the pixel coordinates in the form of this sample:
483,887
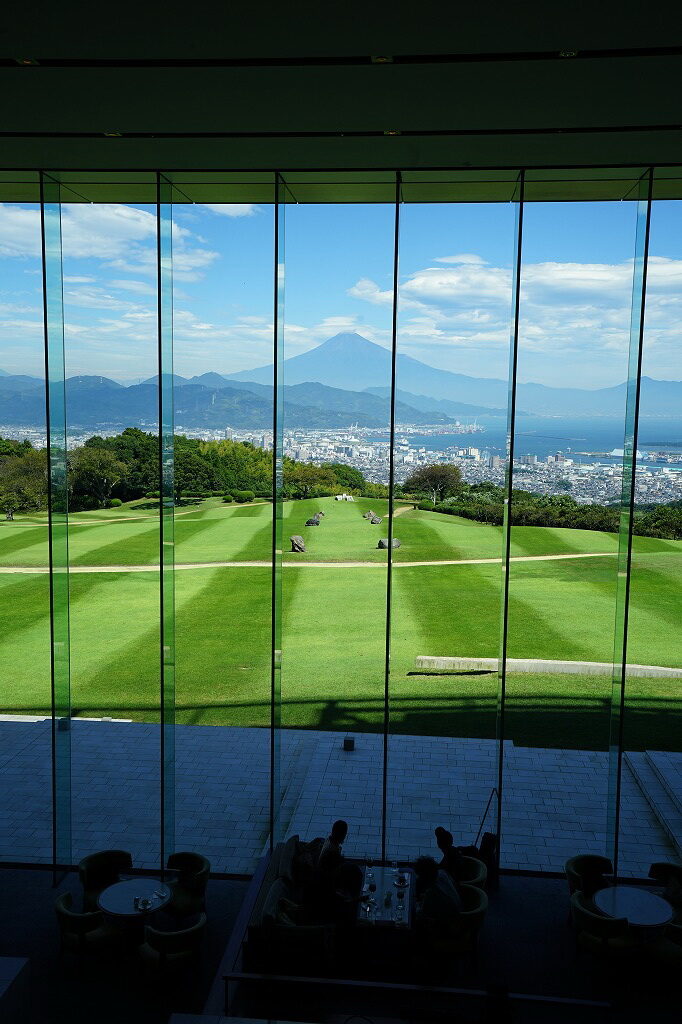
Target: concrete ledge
425,663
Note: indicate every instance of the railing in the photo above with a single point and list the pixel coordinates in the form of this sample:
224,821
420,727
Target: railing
493,792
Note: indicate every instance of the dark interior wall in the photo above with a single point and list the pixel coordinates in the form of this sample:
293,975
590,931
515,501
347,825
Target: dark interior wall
507,111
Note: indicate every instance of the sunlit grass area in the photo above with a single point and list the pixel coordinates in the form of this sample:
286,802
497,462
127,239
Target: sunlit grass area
334,623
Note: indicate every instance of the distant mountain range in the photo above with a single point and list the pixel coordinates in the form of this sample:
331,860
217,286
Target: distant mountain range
345,380
210,401
349,360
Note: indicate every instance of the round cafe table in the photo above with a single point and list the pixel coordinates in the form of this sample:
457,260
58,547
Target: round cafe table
118,902
641,908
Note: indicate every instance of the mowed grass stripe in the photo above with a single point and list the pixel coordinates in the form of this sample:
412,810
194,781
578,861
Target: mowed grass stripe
21,544
333,647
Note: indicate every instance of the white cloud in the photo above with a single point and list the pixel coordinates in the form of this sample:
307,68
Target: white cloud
138,287
371,292
19,231
462,257
575,318
233,209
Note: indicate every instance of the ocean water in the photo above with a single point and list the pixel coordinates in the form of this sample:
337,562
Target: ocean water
542,436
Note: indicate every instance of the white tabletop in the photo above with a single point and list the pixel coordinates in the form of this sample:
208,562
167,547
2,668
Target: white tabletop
641,907
385,913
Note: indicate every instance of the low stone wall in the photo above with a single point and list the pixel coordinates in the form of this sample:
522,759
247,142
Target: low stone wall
426,663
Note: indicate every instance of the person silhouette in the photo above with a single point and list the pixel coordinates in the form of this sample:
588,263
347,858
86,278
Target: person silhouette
331,855
451,860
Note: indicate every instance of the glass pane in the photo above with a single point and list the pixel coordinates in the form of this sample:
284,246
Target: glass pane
451,406
276,791
223,325
166,515
336,384
651,769
25,643
110,272
575,287
57,446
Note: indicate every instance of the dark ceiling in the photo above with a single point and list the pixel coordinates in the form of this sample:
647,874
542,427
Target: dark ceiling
613,97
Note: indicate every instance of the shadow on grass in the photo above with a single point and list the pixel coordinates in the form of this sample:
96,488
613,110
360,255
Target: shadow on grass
580,724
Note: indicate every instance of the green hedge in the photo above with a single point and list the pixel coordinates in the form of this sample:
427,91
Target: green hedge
242,496
227,498
115,502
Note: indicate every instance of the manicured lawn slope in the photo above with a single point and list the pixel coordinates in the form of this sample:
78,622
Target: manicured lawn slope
334,624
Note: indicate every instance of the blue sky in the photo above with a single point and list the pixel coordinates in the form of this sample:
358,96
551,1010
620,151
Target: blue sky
455,287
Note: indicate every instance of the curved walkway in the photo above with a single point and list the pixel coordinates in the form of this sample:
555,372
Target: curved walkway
306,565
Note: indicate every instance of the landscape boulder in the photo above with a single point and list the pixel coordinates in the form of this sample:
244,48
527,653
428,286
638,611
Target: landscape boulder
383,543
312,522
368,514
297,543
375,520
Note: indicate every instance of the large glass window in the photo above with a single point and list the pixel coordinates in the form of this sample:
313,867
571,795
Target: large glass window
450,448
25,690
336,387
222,329
221,626
576,277
650,826
109,273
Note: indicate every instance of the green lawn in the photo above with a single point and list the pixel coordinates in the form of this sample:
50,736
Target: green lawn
334,624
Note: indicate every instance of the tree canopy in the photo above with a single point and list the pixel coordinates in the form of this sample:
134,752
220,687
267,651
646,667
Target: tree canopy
438,481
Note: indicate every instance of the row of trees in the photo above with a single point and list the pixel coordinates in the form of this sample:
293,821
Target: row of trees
485,502
126,467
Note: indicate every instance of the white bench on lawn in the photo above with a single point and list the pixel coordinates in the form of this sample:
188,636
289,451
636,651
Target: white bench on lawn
427,663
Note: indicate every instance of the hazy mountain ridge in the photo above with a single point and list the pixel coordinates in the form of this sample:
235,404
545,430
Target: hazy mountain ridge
345,380
98,402
350,357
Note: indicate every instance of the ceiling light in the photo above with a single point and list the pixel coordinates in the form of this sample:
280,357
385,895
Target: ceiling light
392,131
568,53
26,61
113,134
381,60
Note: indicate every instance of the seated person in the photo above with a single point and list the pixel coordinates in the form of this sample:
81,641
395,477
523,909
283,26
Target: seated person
319,870
452,858
440,902
347,892
331,856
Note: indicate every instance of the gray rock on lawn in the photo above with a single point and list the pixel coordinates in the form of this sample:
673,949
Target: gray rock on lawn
297,543
318,514
383,543
375,520
368,514
312,522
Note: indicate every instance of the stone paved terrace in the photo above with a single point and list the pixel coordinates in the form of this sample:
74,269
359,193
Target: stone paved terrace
555,800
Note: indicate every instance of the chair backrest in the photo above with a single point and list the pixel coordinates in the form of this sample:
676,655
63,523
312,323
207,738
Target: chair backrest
586,919
471,871
665,873
187,940
585,873
103,868
70,921
193,869
474,906
487,851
